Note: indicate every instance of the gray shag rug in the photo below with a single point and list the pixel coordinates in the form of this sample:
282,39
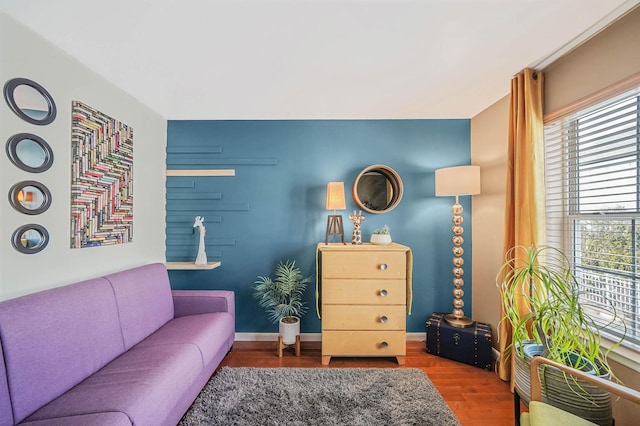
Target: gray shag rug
319,396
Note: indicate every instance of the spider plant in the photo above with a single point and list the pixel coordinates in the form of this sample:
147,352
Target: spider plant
541,299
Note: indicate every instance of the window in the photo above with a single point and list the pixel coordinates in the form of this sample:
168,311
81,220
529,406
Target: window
592,179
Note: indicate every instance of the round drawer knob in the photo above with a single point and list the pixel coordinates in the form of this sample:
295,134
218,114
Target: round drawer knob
383,293
384,345
384,266
383,319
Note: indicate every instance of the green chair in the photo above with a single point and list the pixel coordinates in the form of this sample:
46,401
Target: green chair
541,414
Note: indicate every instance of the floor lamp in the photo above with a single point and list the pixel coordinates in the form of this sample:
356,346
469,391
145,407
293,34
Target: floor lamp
335,201
457,181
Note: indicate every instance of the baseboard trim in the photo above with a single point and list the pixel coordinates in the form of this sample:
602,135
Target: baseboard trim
416,337
308,337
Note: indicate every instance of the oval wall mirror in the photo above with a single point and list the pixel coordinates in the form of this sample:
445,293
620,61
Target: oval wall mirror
377,189
30,101
30,239
30,152
30,197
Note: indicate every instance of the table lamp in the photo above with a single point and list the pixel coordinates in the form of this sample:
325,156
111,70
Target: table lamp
335,201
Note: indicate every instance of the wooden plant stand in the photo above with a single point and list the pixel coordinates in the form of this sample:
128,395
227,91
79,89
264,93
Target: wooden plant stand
282,346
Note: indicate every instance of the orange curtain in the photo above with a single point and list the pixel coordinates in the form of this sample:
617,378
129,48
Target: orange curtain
524,204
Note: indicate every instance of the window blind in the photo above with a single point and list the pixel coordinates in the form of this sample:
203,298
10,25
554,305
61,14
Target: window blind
592,182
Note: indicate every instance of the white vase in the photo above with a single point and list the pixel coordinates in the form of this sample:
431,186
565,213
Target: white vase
289,330
381,239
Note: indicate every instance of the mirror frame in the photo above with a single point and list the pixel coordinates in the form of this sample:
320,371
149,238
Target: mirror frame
13,197
12,152
17,235
9,89
394,179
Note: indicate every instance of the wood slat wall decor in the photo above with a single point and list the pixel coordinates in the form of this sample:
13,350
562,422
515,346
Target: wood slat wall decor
188,196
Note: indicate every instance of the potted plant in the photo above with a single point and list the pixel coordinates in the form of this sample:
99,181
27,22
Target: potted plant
541,300
381,236
282,298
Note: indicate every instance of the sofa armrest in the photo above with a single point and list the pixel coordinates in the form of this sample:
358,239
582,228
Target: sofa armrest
192,302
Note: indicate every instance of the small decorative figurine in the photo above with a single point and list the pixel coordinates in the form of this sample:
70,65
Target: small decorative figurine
356,237
201,259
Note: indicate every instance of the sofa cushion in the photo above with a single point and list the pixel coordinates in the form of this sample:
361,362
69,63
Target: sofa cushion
144,300
6,412
141,383
207,332
54,339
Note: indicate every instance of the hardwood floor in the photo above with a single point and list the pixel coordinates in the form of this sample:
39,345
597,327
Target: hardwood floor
477,397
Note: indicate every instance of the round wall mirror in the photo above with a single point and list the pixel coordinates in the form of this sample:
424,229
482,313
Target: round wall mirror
30,101
377,189
30,197
29,152
30,239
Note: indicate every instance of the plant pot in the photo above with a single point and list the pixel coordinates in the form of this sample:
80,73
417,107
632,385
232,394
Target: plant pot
578,397
523,370
572,360
289,328
381,239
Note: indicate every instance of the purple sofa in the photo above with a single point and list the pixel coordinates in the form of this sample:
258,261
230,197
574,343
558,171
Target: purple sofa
122,349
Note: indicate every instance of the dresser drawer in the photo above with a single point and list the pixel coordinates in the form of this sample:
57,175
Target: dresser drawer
362,317
364,264
363,343
364,292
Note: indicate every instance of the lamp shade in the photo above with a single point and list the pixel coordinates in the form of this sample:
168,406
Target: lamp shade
460,180
335,196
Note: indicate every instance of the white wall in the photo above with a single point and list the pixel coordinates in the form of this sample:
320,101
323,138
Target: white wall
24,54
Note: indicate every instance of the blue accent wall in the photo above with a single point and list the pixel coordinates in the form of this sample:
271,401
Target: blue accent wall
274,207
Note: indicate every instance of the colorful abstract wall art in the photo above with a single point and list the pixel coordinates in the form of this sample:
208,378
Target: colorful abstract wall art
101,179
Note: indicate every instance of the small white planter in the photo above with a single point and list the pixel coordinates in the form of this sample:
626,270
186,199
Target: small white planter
381,239
289,330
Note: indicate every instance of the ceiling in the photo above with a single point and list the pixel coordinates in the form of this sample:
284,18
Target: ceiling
314,59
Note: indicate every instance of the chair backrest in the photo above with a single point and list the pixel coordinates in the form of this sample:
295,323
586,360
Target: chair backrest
615,388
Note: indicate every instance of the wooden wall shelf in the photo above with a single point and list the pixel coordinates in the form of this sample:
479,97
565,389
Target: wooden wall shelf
175,266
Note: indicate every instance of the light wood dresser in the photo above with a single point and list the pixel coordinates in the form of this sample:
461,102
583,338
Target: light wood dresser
364,295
